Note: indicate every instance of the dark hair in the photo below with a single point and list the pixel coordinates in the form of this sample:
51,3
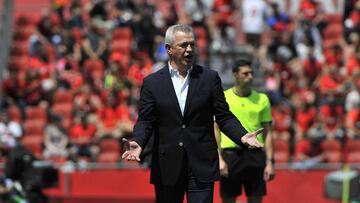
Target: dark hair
241,62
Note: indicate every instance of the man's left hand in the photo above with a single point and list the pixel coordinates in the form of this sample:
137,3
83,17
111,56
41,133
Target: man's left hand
250,140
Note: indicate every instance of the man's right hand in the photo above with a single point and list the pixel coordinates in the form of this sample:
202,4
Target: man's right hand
132,150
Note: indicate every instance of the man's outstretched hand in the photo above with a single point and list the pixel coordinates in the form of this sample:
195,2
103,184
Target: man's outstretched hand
250,140
132,150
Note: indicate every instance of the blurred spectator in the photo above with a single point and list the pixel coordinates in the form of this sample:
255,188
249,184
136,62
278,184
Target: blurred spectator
331,82
352,122
198,11
308,153
76,18
307,36
352,22
56,139
312,66
94,45
13,89
109,123
282,47
141,68
253,21
352,99
82,138
87,100
282,118
10,131
33,92
330,121
353,63
305,116
278,21
144,28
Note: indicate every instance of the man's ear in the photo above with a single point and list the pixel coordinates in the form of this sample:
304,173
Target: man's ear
168,49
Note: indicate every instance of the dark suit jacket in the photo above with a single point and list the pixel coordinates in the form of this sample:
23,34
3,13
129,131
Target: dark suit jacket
160,116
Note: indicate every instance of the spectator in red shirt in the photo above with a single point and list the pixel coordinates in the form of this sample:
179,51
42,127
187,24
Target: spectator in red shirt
82,138
113,120
87,100
281,114
33,92
308,153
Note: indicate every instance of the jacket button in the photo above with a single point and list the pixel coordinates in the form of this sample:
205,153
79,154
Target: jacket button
181,144
183,126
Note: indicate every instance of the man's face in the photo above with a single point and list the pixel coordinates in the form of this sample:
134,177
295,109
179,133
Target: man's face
244,76
182,51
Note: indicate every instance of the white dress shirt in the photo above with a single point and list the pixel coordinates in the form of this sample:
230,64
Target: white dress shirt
181,86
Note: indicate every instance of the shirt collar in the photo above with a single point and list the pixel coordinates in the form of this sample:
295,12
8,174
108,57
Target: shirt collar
174,71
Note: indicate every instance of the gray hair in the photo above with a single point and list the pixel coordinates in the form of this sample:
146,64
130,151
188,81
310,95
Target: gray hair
169,35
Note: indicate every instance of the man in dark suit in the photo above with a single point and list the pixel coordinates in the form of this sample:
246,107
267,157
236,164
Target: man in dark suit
177,106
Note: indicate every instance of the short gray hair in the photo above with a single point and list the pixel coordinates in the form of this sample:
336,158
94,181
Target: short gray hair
169,35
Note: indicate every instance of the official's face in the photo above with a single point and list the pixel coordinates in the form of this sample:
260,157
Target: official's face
244,76
182,51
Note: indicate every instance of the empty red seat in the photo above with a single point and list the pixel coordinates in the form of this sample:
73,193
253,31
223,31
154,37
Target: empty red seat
281,151
34,144
122,33
14,113
122,46
34,128
36,113
63,96
108,157
109,145
333,31
20,49
353,151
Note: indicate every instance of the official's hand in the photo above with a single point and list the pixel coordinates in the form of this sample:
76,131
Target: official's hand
223,168
250,140
269,172
132,150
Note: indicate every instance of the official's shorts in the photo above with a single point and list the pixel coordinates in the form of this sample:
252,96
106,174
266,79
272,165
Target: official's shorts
240,175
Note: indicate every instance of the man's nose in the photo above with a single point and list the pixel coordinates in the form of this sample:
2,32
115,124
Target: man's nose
189,47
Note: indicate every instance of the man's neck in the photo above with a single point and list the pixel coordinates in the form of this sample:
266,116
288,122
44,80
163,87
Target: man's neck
182,70
242,91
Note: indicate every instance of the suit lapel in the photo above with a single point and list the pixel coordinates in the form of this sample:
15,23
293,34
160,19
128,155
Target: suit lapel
168,85
193,85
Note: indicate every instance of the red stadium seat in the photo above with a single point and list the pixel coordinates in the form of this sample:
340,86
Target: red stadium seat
108,157
332,149
34,144
122,46
122,33
20,63
20,49
34,128
65,110
14,113
109,145
63,96
333,31
36,113
353,151
93,64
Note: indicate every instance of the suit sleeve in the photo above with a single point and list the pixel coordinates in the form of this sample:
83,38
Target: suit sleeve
225,119
143,128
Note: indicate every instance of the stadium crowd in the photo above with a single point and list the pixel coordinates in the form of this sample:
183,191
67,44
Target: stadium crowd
76,71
